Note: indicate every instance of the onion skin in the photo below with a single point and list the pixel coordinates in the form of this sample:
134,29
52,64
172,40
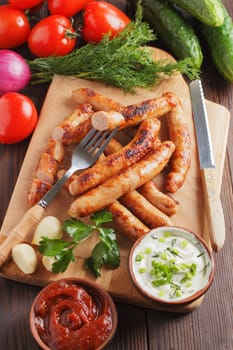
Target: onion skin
15,73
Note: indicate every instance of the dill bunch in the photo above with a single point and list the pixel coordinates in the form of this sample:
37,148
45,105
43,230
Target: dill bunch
123,61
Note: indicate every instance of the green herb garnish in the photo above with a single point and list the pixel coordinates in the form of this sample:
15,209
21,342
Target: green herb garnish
123,61
105,252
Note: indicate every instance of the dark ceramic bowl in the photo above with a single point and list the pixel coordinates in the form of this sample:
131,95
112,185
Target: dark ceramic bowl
171,266
59,305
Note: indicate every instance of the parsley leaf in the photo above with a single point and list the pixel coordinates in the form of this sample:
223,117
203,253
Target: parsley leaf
77,229
106,252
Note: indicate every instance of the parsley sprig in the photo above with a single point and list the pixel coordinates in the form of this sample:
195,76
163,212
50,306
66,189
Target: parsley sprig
106,251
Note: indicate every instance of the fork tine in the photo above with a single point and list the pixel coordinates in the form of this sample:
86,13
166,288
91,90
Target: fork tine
98,142
93,140
105,143
88,137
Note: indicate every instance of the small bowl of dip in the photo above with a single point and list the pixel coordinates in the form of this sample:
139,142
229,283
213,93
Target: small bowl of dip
171,265
72,314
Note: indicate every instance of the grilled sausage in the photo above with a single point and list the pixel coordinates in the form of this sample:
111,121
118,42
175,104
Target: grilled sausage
144,210
162,201
141,144
37,191
47,168
98,101
130,179
55,149
133,114
126,223
181,159
75,127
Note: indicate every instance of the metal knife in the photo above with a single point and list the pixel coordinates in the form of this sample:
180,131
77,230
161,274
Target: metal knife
213,204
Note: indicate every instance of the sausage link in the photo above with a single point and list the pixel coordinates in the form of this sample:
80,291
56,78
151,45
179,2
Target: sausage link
98,101
126,223
55,149
140,145
75,127
144,210
160,200
133,114
47,168
181,159
37,191
130,179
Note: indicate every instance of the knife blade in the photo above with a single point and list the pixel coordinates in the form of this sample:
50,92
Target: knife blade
215,216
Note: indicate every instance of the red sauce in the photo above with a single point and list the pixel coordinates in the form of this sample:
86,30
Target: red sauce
71,317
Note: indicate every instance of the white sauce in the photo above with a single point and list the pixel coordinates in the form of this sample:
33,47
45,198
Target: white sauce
171,264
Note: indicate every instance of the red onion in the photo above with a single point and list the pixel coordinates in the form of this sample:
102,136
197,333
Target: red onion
15,73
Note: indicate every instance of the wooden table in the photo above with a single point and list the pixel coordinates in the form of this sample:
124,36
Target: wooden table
208,327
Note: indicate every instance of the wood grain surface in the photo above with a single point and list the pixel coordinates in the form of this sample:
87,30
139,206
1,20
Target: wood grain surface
207,327
191,213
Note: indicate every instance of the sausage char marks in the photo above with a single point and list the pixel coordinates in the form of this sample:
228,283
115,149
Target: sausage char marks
139,146
98,101
133,114
181,159
128,180
126,223
74,127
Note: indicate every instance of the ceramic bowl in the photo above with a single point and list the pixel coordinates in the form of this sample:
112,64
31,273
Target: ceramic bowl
59,307
171,266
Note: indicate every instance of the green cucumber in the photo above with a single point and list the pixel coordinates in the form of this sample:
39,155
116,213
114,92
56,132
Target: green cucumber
220,43
174,31
207,11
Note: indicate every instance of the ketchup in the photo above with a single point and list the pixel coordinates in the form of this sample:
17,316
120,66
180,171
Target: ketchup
72,317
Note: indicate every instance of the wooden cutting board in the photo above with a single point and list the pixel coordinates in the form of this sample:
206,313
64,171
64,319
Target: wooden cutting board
191,213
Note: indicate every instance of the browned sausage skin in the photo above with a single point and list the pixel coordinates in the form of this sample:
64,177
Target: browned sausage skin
37,191
160,200
144,210
130,179
181,159
126,223
75,127
98,101
133,114
141,144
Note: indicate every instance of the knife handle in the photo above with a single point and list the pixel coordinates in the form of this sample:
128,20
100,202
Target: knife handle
214,209
20,231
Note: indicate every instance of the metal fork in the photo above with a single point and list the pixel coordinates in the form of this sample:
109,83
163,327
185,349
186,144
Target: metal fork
84,155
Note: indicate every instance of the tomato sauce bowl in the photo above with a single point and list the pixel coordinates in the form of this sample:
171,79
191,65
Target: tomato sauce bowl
73,313
171,266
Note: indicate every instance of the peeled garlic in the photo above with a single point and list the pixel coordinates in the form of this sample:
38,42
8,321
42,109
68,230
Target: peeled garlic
24,257
48,261
49,227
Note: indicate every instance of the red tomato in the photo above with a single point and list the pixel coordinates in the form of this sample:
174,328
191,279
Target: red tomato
101,18
18,117
14,27
71,7
52,36
24,4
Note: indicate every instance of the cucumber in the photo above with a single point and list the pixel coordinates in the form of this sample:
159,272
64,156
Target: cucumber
174,31
207,11
220,44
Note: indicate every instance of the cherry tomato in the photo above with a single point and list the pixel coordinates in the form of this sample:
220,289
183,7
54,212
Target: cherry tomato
18,117
14,27
24,4
52,36
71,7
101,18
